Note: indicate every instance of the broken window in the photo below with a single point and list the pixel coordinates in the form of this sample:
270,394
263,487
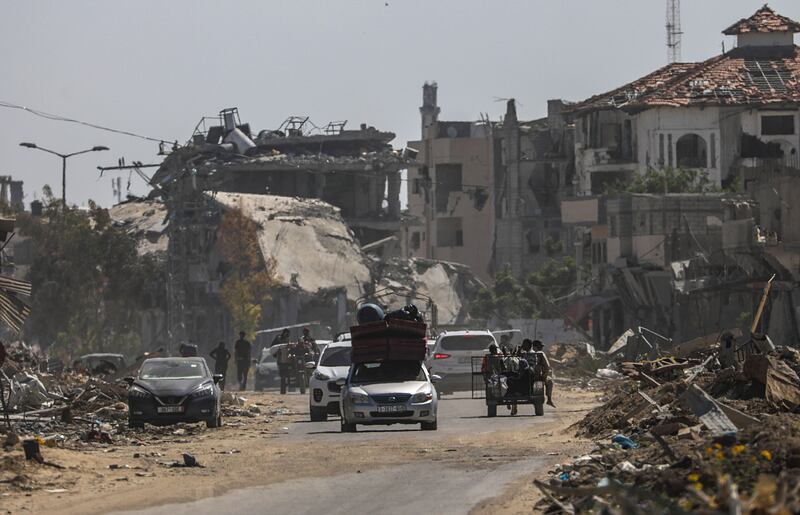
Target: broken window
691,151
415,241
611,136
449,232
448,179
777,125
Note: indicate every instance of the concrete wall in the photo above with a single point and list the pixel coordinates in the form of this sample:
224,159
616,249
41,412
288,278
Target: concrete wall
765,39
578,211
549,331
474,207
672,124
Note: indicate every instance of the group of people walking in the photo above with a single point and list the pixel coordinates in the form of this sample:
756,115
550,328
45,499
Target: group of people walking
282,348
242,355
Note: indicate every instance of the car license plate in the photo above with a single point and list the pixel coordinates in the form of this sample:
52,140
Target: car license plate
170,409
391,409
464,360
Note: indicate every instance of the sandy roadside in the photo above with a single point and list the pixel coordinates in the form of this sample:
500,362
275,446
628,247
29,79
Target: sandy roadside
252,451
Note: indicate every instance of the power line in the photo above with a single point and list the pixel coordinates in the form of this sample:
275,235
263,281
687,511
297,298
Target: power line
60,118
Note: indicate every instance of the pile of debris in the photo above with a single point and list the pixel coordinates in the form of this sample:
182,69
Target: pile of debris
687,434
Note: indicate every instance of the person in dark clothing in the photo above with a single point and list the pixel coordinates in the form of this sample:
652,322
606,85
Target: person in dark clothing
221,357
242,350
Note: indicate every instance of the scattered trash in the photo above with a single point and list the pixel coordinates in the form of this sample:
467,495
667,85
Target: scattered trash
624,442
607,373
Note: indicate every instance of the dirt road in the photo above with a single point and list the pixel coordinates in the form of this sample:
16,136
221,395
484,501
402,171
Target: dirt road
269,462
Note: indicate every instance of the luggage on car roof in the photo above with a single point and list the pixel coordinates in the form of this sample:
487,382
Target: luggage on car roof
389,339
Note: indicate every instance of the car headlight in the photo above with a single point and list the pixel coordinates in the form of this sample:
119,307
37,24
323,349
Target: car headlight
422,397
137,392
320,376
359,398
203,390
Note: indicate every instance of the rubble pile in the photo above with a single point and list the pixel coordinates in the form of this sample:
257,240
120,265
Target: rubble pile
686,435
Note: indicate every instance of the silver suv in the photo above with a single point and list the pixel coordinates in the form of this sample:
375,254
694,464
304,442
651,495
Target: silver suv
388,392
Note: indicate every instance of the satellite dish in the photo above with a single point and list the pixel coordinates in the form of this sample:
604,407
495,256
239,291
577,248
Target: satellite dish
452,132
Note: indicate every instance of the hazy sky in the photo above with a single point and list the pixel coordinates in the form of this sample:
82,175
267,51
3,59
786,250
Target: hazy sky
155,67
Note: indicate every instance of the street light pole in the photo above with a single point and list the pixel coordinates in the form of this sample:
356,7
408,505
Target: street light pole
63,157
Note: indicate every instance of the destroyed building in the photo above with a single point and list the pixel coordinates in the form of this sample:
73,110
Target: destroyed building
487,194
722,116
326,205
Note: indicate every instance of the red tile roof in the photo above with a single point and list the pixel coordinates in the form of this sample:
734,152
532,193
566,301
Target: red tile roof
635,90
743,76
764,20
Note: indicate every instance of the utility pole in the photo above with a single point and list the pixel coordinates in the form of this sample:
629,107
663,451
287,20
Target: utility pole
63,157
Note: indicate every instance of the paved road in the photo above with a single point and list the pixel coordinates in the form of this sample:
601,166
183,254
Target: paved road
458,414
419,487
415,488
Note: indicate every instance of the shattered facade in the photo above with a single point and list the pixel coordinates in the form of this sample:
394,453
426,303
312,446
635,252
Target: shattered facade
721,116
488,194
326,204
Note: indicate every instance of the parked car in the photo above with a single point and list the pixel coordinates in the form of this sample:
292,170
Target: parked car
101,363
389,392
452,357
334,364
171,390
266,372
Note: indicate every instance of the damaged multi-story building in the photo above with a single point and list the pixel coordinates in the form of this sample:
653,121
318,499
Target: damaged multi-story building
713,116
487,194
689,265
326,202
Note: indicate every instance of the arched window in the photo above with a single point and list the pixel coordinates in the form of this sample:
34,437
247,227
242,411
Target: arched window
691,151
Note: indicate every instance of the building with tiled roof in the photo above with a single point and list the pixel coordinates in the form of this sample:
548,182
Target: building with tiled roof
715,116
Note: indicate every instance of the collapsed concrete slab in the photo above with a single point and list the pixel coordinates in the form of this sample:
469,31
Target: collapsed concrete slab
312,247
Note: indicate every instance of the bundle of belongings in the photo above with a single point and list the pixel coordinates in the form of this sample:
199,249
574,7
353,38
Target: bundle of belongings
396,336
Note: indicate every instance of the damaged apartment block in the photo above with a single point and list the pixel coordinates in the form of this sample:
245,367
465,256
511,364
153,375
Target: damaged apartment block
487,194
326,204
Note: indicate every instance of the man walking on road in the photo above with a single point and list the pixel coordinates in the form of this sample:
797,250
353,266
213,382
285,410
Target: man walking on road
543,368
221,357
242,350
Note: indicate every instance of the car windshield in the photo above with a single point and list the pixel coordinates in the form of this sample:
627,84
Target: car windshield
177,369
336,357
467,342
266,357
387,372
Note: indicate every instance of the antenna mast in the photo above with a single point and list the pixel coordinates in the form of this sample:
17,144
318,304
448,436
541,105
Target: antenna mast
674,31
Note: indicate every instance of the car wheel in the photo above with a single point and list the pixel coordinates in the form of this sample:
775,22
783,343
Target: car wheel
428,426
135,424
348,428
319,414
538,408
491,410
215,421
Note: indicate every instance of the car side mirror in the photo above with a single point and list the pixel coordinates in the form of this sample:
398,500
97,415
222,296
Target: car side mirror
311,365
341,381
217,378
436,378
128,380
